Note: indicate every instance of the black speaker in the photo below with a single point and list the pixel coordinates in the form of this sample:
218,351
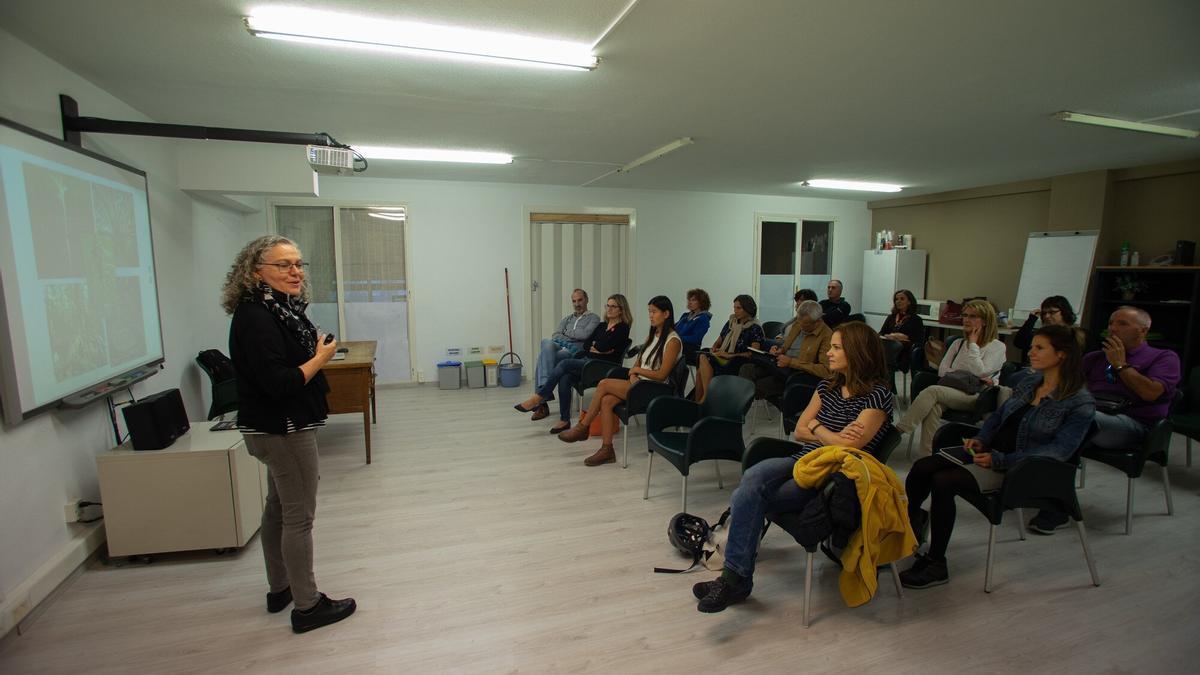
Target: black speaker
1185,252
157,420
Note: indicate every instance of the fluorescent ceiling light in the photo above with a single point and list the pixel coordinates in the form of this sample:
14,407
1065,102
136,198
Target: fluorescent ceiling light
851,185
399,217
656,153
432,155
345,30
1068,116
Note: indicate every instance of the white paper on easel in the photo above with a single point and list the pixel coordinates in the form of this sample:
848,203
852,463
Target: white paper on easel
1056,263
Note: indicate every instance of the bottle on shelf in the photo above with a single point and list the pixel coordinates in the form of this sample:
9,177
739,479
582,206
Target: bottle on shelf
1134,259
1124,254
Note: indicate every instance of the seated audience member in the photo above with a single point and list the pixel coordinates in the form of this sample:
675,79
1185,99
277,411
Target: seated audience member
806,294
800,296
805,349
731,351
606,343
692,326
1055,311
904,326
567,340
1048,415
659,353
979,353
1134,385
836,308
853,408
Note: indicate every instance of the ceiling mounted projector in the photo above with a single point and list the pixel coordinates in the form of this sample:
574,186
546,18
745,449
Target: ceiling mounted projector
329,160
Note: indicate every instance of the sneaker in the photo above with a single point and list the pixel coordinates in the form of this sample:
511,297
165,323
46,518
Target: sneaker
924,573
703,588
920,525
325,612
277,602
722,594
1046,522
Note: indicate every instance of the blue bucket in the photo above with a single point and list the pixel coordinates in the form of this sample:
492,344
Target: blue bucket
510,373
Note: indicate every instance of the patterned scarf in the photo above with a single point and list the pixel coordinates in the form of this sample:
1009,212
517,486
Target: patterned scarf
290,311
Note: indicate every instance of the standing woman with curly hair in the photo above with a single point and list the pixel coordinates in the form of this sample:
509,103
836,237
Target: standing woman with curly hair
278,355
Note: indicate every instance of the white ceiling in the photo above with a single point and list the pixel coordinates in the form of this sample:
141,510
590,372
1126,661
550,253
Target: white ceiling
933,94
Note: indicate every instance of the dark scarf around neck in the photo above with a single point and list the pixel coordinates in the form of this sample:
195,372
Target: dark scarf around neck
290,312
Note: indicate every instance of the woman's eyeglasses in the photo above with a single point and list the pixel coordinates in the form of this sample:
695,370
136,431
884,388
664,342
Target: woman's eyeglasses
300,265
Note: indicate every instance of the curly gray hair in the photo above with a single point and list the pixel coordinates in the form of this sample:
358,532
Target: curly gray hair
240,279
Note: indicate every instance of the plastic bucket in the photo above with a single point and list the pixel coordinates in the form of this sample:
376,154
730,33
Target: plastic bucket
510,373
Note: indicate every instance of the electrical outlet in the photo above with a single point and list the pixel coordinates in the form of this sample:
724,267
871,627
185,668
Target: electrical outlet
420,376
72,511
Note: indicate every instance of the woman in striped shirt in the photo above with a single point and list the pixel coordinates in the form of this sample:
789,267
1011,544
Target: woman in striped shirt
853,408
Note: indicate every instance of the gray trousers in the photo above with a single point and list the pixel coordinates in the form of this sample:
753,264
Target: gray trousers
287,519
927,410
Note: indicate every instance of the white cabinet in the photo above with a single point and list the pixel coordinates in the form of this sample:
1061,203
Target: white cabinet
205,491
884,273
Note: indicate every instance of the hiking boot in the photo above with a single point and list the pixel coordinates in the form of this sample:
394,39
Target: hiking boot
924,573
604,455
1046,522
325,612
721,594
579,432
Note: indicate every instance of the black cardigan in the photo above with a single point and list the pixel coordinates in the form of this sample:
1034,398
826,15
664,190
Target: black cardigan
271,387
607,341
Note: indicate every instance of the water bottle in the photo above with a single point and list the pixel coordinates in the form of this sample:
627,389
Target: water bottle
1124,254
1134,259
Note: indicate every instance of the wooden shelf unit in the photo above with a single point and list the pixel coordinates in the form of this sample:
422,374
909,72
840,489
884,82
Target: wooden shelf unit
1172,297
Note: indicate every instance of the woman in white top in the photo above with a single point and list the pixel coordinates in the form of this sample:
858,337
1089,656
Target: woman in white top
656,359
979,353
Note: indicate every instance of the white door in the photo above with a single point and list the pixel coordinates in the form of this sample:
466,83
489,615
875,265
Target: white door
793,253
564,256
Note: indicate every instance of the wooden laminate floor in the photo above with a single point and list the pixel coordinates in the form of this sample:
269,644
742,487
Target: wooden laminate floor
477,542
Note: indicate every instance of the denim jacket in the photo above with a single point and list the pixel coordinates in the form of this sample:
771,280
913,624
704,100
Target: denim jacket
1052,428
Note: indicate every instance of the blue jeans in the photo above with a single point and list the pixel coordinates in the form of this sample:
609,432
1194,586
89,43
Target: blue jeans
767,487
548,357
1117,432
564,376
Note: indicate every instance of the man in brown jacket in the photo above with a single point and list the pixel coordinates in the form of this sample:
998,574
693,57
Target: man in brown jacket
805,349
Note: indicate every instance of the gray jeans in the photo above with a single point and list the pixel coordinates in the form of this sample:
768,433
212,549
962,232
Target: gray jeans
287,520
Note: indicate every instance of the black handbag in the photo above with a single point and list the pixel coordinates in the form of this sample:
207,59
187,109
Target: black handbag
963,381
1111,404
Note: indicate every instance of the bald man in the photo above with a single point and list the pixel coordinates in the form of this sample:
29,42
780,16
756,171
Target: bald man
835,306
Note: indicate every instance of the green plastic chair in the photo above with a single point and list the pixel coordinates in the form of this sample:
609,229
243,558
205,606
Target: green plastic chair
714,428
1187,420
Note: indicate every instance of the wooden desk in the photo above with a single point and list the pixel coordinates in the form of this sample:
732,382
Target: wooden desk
1002,330
352,384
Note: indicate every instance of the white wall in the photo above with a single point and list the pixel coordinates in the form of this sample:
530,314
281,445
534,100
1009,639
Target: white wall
49,460
463,235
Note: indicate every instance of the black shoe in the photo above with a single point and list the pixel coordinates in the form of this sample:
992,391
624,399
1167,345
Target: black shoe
721,594
277,602
1046,522
702,589
323,613
924,573
920,525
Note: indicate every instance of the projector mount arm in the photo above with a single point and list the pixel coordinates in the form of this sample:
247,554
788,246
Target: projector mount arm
73,125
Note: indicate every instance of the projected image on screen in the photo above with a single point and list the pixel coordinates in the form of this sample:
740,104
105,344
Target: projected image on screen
88,232
77,270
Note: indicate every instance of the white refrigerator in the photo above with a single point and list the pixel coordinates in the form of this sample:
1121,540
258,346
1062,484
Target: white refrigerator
884,273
